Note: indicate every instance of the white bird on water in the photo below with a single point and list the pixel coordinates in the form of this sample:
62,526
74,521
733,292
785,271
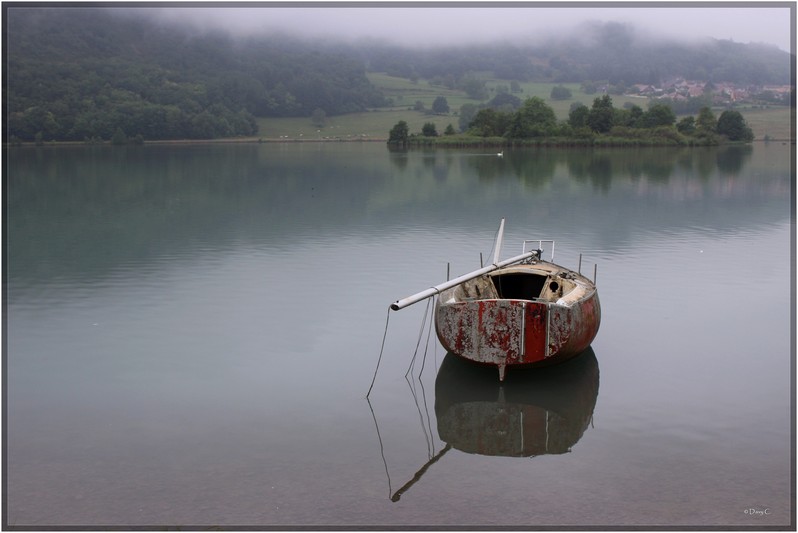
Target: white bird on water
501,154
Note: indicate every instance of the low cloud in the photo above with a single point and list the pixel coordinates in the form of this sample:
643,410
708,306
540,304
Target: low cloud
464,24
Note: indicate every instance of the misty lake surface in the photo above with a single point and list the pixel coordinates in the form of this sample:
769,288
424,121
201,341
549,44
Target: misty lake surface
192,331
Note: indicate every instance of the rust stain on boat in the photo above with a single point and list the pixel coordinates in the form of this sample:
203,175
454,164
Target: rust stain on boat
526,314
520,311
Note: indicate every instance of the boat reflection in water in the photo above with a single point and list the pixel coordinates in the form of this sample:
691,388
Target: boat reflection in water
533,412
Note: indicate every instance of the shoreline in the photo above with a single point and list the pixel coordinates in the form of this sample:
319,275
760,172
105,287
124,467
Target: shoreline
231,140
431,142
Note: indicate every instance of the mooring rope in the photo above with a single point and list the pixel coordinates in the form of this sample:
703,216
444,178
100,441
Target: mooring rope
429,334
382,448
420,336
427,436
426,423
411,379
430,302
385,334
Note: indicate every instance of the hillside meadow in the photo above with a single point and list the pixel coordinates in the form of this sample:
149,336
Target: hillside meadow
374,125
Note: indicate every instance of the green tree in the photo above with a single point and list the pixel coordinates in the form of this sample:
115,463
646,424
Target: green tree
732,124
635,114
449,130
440,105
474,88
577,117
706,123
589,87
490,123
560,92
686,125
119,137
658,115
534,119
34,120
399,133
429,130
505,102
601,116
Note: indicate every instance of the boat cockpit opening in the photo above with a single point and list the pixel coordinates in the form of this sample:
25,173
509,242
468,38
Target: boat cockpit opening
524,286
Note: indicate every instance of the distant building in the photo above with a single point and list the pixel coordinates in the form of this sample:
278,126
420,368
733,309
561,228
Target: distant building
723,93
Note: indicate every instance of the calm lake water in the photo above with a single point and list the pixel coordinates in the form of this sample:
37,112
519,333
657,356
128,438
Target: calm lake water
192,331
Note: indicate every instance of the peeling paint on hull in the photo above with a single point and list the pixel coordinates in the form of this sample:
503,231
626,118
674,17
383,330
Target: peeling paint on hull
547,326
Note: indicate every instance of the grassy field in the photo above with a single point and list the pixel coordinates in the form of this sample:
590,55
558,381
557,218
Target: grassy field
775,122
563,107
405,93
368,126
374,125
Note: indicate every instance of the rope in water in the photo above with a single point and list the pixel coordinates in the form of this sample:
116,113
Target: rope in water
385,334
418,342
430,301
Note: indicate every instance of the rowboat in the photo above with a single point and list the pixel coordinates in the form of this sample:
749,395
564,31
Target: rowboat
522,311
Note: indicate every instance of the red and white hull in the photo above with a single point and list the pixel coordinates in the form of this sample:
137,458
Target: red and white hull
526,314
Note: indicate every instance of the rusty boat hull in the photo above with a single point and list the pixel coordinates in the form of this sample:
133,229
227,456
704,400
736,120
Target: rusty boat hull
529,314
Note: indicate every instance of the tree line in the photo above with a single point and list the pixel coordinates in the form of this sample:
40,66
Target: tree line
536,120
609,51
82,74
86,74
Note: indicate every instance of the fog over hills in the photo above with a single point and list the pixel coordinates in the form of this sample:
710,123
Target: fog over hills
77,73
462,23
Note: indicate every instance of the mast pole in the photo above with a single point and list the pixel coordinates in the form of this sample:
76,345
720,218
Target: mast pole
498,246
410,300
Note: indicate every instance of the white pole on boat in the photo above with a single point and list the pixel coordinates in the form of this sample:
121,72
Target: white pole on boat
498,246
410,300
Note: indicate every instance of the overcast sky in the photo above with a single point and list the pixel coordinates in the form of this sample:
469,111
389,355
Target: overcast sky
464,22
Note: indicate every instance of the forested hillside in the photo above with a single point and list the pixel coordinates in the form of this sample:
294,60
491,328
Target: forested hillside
76,74
88,73
609,52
